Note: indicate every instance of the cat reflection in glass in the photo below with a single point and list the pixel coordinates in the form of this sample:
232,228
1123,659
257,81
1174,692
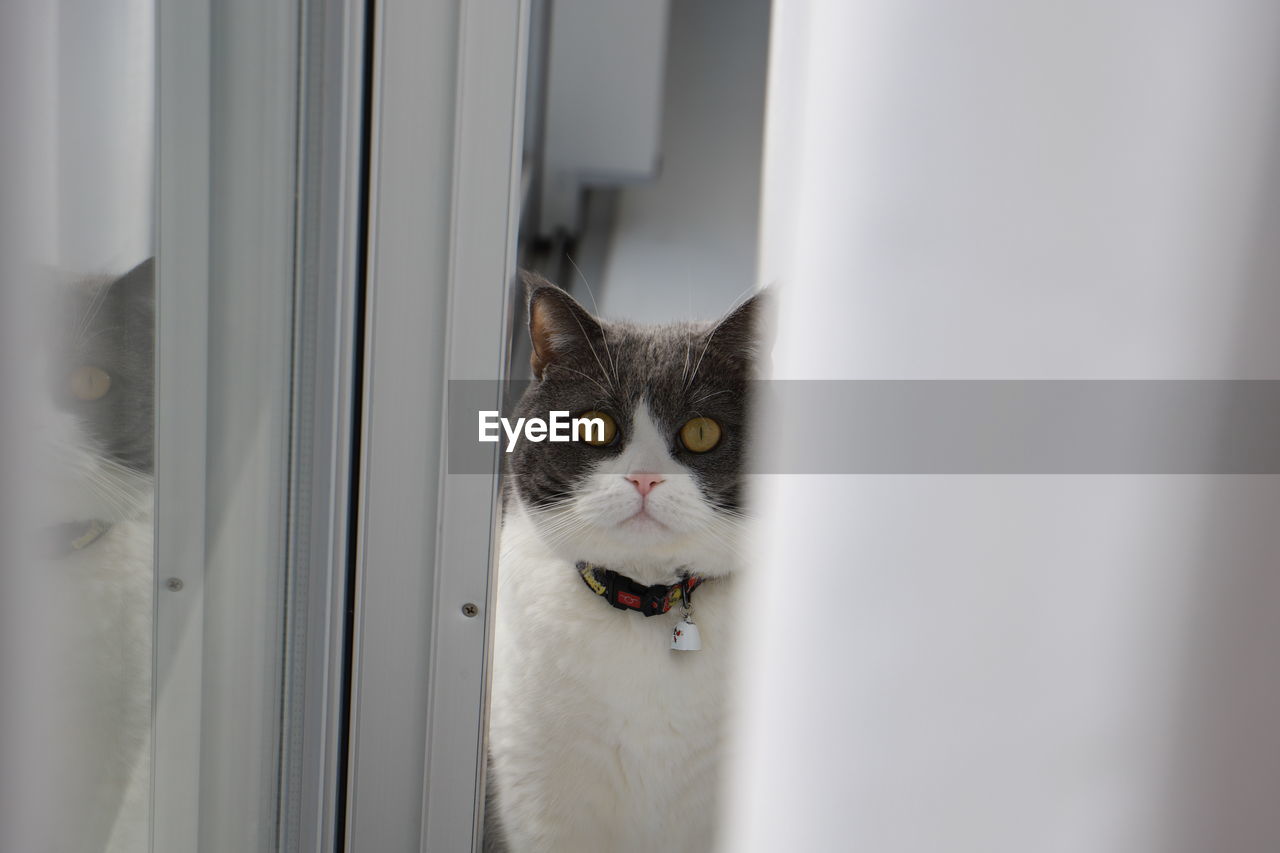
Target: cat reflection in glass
613,619
97,438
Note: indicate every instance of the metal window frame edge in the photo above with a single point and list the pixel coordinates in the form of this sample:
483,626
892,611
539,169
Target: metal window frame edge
487,193
183,163
444,181
328,251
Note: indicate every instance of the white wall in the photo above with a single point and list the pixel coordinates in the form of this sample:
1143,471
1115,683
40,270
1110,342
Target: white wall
684,246
1001,189
603,101
104,184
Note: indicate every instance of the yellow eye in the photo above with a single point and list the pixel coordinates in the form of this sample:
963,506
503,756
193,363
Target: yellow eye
89,382
700,434
591,433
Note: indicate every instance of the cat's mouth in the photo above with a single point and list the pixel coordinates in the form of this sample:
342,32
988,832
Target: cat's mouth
642,520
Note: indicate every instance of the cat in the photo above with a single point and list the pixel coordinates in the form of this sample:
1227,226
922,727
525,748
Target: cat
603,739
97,470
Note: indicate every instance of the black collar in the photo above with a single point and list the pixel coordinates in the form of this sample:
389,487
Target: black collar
625,594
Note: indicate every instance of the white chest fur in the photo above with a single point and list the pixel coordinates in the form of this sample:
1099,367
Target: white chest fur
602,737
113,582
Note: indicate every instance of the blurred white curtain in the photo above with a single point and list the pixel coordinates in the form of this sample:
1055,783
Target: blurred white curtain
1035,190
31,692
76,82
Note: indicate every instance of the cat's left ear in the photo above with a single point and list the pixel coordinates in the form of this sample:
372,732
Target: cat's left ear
559,328
745,332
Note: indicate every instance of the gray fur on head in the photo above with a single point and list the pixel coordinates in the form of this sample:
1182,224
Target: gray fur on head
112,327
680,371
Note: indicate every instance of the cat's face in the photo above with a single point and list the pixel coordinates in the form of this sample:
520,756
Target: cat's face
664,490
96,431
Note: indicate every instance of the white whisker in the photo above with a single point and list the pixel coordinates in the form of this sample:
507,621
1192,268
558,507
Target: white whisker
604,338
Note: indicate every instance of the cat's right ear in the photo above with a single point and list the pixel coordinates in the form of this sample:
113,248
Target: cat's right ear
558,325
137,286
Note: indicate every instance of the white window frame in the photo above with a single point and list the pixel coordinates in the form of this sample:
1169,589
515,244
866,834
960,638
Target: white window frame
404,246
444,192
183,141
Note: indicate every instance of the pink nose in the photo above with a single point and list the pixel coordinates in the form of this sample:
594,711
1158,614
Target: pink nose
644,483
